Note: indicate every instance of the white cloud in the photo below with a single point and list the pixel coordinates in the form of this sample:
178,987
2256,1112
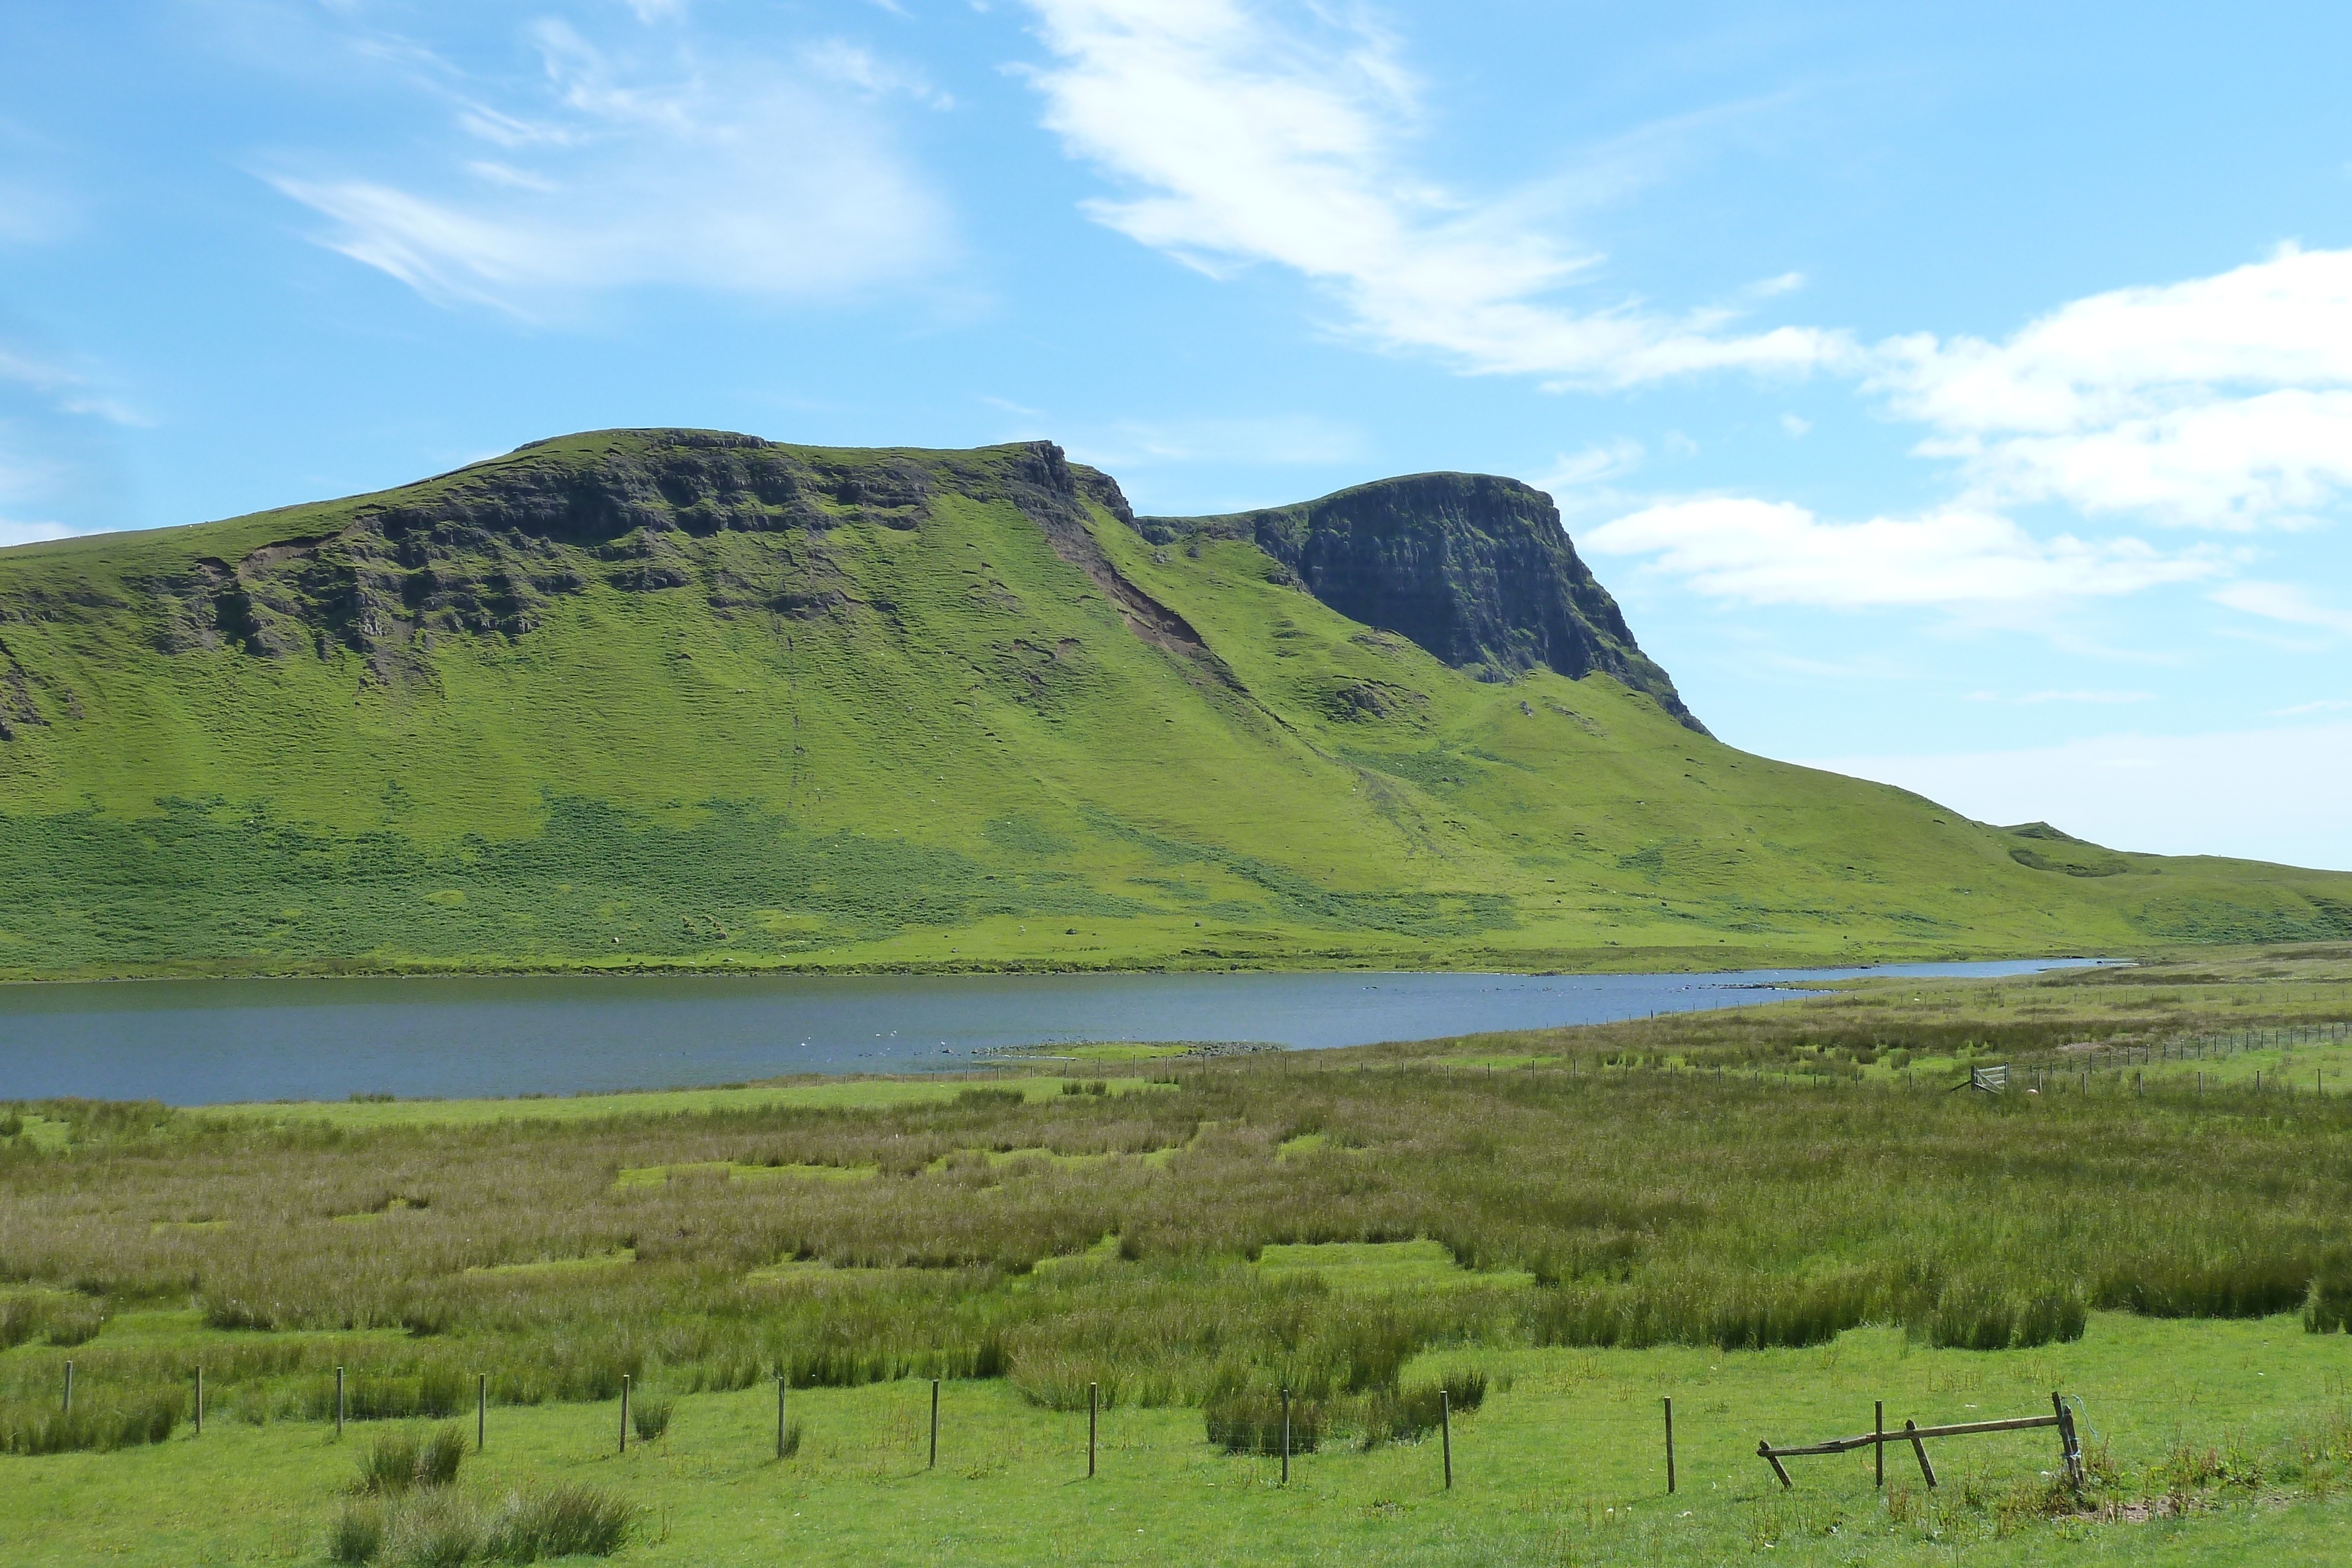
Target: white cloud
33,473
1281,131
2324,705
1269,440
2222,401
1766,552
31,214
59,473
68,392
854,66
12,532
1247,139
760,177
2281,602
1596,465
2265,794
2088,697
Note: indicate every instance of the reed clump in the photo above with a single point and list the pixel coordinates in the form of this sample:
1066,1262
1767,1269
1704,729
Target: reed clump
1255,1421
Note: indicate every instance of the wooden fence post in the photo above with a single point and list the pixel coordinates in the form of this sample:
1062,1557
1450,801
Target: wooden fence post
481,1410
200,1401
1092,1405
1670,1446
338,1401
934,1463
68,1406
624,1412
779,1414
1445,1427
1285,1437
1879,1443
2069,1447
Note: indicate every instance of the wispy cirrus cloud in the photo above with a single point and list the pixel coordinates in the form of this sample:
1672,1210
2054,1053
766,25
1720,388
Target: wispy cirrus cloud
2282,601
34,476
2098,697
1277,440
58,427
1249,133
1596,465
648,159
65,390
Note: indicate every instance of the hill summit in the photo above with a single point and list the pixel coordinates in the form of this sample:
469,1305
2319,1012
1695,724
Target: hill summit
672,696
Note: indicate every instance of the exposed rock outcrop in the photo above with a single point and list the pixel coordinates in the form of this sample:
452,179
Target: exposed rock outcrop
1473,567
485,549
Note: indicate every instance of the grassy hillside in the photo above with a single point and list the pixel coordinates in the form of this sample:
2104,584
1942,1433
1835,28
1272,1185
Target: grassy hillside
663,697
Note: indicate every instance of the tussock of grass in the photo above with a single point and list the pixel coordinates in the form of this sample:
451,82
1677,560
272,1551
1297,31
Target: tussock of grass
444,1528
357,1533
649,1413
397,1461
59,1317
101,1419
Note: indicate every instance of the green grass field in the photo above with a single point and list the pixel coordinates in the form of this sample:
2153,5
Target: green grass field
878,738
1565,1466
844,1093
1773,1216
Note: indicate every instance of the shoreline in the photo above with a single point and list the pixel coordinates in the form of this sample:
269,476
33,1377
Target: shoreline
1594,962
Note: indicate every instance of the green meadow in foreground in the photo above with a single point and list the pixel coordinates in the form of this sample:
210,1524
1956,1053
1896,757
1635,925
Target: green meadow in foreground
662,699
1774,1216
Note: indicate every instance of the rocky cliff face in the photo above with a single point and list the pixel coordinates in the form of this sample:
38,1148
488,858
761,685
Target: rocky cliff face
1473,567
484,549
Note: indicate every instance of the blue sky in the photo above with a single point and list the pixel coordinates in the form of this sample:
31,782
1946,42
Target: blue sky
1957,395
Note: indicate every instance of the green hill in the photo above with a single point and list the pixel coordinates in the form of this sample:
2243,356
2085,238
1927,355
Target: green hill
683,697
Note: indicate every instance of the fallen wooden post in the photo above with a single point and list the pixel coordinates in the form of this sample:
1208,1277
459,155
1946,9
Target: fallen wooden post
1911,1430
1917,1435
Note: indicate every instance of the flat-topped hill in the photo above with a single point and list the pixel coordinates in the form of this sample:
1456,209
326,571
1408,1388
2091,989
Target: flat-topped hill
690,697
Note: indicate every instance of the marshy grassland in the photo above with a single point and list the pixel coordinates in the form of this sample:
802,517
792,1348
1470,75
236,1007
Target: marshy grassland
1773,1216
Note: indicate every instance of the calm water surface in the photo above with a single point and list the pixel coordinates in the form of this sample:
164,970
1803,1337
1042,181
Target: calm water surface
208,1041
